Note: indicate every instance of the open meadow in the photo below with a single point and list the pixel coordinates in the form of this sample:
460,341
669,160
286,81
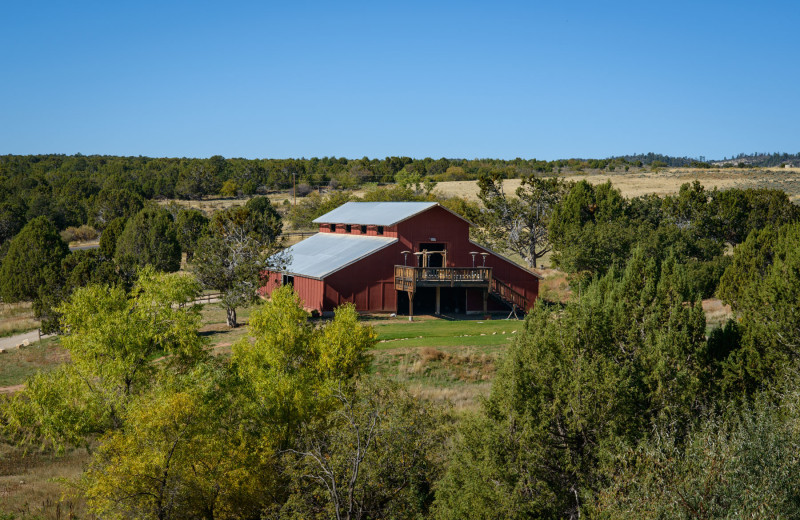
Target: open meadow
665,181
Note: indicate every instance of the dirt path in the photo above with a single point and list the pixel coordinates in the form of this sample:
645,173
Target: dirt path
11,389
14,341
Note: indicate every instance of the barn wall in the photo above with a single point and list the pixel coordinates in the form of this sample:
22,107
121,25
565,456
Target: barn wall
310,290
272,281
368,283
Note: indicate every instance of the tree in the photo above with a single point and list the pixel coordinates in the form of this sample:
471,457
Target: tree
186,452
110,236
190,226
739,466
149,238
292,367
12,218
33,261
519,224
590,230
197,181
113,203
373,456
767,360
236,250
114,340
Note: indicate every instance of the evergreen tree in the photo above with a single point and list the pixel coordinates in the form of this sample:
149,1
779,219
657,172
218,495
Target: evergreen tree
149,238
33,262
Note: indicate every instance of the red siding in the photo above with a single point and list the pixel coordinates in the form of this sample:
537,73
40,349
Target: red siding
365,282
309,289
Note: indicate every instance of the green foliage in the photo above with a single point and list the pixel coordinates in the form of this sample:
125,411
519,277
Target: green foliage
520,224
114,340
110,236
704,276
12,217
392,193
236,250
149,238
750,263
115,203
744,466
736,213
33,261
575,385
84,267
264,220
186,452
292,368
198,180
190,226
590,230
373,456
769,314
314,205
229,188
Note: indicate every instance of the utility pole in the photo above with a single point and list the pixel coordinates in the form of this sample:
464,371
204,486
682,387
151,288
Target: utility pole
294,186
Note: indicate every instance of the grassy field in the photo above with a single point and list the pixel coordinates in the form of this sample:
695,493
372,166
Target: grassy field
663,182
441,359
16,318
17,365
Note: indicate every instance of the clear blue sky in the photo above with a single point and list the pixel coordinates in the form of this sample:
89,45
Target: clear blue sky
552,79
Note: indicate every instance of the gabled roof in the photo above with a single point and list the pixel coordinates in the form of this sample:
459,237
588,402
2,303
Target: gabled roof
325,253
374,213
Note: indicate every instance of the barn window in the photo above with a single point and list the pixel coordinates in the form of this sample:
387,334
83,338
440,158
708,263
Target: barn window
348,228
363,230
332,228
380,230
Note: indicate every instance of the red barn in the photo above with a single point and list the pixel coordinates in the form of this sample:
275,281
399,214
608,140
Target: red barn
402,257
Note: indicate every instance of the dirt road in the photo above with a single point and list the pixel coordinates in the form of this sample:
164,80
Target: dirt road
13,341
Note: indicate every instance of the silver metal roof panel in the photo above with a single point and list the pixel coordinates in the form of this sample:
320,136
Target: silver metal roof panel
373,213
325,253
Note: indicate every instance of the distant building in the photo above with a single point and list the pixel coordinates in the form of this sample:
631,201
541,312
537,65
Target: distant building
402,257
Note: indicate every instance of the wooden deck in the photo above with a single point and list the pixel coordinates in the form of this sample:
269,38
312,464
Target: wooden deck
409,278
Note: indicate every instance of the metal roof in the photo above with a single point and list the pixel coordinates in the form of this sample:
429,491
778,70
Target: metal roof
374,213
325,253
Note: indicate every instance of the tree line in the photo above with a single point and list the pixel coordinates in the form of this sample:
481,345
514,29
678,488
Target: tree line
79,190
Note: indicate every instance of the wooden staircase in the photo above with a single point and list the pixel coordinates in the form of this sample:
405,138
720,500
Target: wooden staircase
508,296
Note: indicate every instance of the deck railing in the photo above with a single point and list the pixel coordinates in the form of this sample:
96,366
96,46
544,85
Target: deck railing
407,278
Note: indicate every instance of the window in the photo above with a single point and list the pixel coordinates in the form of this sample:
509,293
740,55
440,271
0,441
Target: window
380,230
332,228
363,230
348,228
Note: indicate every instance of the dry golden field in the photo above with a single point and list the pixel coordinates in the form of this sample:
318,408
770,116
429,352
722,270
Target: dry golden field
664,182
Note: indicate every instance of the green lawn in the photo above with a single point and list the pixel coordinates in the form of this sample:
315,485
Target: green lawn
443,360
445,333
16,365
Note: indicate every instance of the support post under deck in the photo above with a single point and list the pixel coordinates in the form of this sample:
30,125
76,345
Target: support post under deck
438,300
